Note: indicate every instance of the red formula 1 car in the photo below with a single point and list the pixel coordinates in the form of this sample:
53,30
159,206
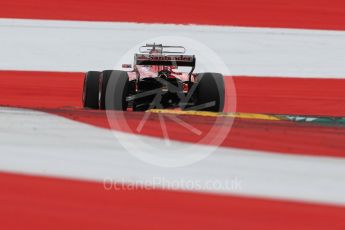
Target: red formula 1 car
155,83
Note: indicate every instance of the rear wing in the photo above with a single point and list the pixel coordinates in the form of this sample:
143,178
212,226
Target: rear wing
165,60
148,48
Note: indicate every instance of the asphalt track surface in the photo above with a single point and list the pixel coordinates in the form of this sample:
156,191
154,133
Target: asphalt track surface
40,202
59,93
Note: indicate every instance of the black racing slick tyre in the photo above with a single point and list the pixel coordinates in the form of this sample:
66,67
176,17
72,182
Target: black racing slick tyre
113,90
209,94
91,90
103,83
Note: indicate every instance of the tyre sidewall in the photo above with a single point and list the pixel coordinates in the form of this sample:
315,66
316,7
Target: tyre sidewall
210,88
91,90
117,91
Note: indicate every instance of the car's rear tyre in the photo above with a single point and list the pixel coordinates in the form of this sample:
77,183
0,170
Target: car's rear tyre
103,83
113,90
209,93
91,90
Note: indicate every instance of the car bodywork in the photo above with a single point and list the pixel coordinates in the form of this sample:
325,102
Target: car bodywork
156,70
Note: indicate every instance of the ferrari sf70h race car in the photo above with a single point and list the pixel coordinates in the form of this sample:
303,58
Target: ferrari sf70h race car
155,82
